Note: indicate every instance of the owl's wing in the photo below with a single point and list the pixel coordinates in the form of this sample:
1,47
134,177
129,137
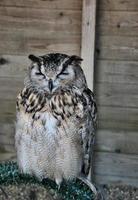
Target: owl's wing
88,129
30,101
28,104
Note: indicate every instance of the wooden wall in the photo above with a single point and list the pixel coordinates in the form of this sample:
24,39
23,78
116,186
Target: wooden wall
116,87
38,26
31,26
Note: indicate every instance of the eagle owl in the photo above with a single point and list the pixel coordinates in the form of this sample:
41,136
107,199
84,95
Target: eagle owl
56,117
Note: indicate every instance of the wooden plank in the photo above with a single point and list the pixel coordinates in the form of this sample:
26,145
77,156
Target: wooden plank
119,141
117,94
118,180
58,21
117,23
13,67
118,113
117,124
10,88
67,25
42,26
12,14
120,167
110,117
88,39
7,118
117,48
7,107
36,31
7,148
118,5
112,71
6,140
23,44
7,132
48,4
7,156
119,30
7,128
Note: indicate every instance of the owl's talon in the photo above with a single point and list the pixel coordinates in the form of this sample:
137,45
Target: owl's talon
89,184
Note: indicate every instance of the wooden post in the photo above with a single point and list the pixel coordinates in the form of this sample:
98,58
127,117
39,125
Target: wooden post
88,39
88,46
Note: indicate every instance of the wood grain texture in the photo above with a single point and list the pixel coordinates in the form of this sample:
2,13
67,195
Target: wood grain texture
116,94
117,48
23,44
116,180
113,71
25,15
31,26
118,113
59,22
13,66
118,118
117,23
118,5
7,157
117,165
32,30
47,4
10,88
88,39
116,141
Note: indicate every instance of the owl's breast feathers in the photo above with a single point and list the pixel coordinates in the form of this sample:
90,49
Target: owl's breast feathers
62,105
72,107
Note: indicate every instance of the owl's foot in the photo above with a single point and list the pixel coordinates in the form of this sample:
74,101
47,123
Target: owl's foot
90,185
58,182
97,191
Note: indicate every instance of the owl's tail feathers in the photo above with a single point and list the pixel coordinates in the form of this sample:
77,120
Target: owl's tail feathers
98,194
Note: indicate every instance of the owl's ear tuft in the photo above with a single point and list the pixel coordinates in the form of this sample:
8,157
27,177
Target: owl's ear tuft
75,59
34,58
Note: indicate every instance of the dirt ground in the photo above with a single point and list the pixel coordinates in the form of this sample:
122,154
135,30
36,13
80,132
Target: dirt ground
35,192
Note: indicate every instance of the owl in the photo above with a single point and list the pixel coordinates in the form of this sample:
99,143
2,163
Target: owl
55,120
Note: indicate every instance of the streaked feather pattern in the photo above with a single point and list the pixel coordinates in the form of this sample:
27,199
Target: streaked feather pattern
55,129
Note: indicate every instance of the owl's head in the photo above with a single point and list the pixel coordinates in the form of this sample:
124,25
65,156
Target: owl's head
55,71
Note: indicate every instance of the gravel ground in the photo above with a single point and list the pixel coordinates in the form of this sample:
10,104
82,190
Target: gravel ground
26,192
36,192
120,192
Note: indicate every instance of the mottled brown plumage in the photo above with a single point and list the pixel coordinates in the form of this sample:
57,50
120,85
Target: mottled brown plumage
56,117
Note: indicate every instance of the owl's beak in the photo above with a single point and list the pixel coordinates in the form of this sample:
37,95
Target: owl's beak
50,85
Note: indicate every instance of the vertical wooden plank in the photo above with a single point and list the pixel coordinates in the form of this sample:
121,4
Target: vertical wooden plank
88,39
88,45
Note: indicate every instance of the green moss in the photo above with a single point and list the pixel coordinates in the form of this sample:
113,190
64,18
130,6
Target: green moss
68,191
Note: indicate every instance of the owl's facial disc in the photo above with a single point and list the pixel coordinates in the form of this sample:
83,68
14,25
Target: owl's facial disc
52,72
